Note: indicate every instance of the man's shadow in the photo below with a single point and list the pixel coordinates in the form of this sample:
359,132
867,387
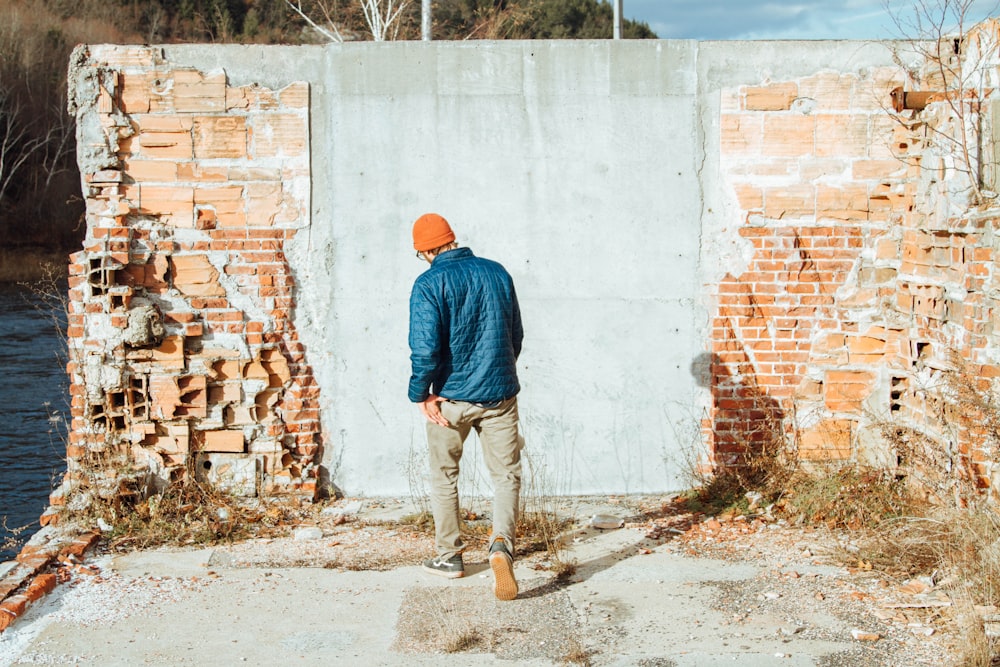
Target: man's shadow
745,428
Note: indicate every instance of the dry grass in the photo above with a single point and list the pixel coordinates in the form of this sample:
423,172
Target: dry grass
977,649
13,538
31,265
190,512
963,542
852,497
948,543
466,640
577,655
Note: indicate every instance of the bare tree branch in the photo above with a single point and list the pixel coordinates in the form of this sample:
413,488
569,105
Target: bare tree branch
380,19
938,32
16,144
330,31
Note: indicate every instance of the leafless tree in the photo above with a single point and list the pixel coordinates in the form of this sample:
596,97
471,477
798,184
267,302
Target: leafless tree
57,147
940,33
329,28
381,16
17,143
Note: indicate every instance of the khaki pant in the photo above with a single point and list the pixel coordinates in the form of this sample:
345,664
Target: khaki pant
497,429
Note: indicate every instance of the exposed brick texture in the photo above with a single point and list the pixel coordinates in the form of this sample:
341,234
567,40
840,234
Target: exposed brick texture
185,356
867,273
861,271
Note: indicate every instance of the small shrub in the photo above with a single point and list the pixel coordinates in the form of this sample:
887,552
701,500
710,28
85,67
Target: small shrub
852,497
465,641
577,655
564,569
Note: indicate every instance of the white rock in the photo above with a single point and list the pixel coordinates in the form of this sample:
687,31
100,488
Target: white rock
350,509
606,521
311,533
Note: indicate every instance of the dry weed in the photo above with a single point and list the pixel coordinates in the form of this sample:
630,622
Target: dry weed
577,655
467,640
190,512
963,542
27,265
853,497
563,569
760,461
13,538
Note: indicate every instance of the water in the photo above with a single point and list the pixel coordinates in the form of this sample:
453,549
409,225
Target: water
33,409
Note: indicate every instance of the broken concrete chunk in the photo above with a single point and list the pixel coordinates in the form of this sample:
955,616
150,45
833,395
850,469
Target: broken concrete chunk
350,509
145,327
606,521
235,473
310,533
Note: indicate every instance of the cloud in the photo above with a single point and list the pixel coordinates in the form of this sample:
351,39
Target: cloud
729,19
774,19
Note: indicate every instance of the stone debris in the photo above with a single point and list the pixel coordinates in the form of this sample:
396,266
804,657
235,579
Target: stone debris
310,533
26,580
606,522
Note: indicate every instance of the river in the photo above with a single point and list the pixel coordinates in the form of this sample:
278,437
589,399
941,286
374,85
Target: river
34,404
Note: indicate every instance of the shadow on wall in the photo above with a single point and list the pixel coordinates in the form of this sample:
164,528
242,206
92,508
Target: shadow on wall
744,423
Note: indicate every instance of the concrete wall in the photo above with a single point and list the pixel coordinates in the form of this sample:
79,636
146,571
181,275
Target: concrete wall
597,172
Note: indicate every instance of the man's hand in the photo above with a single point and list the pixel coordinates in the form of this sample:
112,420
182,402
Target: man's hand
431,407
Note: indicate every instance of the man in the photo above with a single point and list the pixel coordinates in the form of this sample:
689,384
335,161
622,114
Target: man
465,337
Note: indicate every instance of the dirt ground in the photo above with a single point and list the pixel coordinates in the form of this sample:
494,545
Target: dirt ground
757,588
807,573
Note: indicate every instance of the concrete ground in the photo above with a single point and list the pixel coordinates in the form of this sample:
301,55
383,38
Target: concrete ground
631,601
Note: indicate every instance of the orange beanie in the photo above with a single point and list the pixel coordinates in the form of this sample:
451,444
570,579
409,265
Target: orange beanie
431,231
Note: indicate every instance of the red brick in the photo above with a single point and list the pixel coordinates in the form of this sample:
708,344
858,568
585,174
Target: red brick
80,545
42,585
775,97
223,441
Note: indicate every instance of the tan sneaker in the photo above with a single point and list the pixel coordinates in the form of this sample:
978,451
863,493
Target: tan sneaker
502,564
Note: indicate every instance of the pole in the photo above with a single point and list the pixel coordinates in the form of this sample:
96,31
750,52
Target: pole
425,20
617,18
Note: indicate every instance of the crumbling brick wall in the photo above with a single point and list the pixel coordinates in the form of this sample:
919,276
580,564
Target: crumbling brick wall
869,270
808,162
858,270
184,356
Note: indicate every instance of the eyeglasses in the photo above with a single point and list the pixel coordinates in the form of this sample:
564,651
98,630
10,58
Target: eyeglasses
420,254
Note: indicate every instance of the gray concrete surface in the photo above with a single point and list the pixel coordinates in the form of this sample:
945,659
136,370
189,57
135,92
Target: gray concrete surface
588,168
630,602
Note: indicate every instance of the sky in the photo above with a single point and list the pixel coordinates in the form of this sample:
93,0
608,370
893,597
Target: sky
790,19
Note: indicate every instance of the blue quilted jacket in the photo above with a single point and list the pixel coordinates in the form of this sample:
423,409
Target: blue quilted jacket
465,330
